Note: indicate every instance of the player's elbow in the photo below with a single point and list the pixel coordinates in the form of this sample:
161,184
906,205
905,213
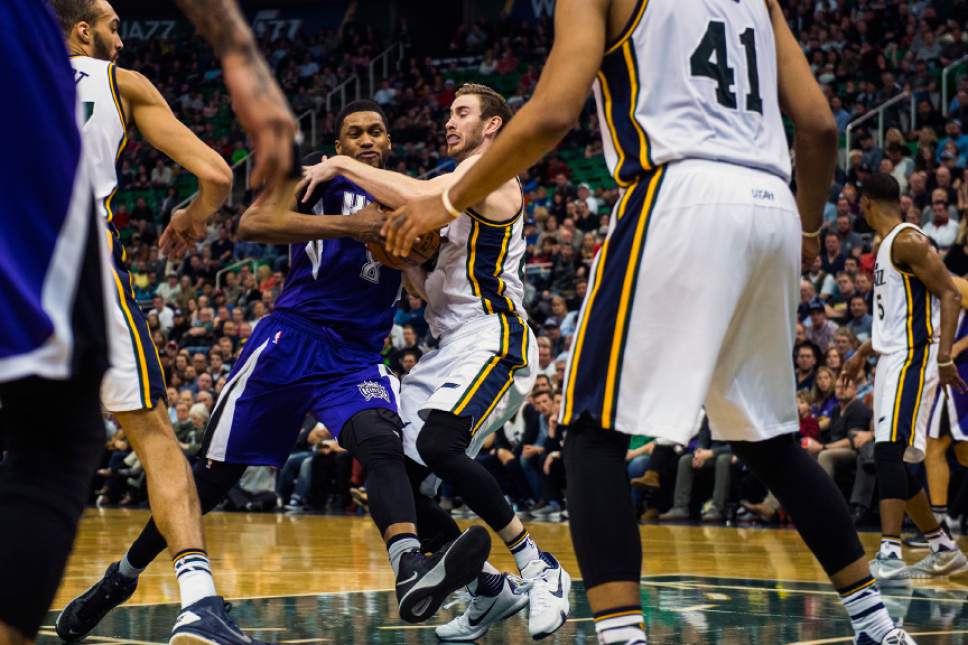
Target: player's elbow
821,129
250,228
953,295
218,175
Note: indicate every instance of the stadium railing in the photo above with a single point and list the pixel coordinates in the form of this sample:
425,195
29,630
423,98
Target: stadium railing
392,55
944,81
879,113
235,268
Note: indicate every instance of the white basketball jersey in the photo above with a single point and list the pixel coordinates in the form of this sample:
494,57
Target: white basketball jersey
478,272
689,80
105,126
906,314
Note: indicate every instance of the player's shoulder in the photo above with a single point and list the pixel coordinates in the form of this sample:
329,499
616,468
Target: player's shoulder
911,243
135,86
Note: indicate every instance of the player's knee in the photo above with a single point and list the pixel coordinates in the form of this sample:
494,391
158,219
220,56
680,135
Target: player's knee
892,475
443,438
374,436
213,480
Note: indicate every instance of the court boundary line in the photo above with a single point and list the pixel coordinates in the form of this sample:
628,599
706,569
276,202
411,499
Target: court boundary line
652,580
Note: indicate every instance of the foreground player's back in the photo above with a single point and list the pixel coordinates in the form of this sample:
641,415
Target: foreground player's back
692,80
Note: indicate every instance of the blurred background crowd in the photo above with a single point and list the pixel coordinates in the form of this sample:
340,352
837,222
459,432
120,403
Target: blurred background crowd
202,309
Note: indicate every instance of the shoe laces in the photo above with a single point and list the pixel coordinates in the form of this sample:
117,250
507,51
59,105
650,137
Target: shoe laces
539,585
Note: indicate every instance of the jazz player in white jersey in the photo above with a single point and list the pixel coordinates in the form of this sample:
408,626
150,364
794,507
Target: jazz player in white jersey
486,362
693,295
133,389
916,307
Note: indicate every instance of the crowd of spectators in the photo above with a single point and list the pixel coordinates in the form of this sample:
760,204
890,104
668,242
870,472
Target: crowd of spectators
863,53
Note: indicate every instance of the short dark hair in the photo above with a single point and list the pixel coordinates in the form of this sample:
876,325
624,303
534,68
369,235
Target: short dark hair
492,103
361,105
882,187
71,12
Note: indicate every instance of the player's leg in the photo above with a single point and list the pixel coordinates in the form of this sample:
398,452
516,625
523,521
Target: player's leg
472,379
51,453
53,435
134,391
610,561
494,596
751,403
935,458
363,406
643,301
256,420
945,557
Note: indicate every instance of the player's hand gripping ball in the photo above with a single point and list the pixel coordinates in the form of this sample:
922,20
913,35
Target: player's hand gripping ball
424,248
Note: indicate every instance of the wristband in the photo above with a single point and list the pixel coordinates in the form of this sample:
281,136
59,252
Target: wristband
814,234
448,205
946,364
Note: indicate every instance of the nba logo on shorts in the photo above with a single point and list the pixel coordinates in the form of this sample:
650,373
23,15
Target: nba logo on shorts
275,340
373,390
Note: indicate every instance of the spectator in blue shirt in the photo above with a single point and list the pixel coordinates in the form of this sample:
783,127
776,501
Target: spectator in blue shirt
841,116
953,130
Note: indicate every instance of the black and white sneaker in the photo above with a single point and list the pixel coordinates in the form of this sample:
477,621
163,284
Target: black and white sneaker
82,615
207,622
484,610
424,582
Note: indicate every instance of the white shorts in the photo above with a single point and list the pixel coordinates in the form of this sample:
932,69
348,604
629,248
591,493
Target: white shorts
905,384
484,372
692,303
135,380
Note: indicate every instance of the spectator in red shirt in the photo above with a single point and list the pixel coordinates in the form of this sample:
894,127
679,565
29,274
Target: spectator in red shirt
809,428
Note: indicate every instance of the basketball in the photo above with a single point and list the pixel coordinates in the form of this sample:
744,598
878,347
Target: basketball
423,249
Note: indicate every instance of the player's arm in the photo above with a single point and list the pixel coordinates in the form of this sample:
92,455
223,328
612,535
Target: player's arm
854,367
414,281
258,102
157,123
913,250
390,188
815,131
269,221
560,95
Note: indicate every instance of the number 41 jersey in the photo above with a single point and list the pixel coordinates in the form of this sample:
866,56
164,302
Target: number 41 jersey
691,80
336,283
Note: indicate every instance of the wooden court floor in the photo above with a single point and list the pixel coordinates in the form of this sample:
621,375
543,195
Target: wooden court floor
325,579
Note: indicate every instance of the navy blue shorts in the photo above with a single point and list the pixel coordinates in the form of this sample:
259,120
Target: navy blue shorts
290,368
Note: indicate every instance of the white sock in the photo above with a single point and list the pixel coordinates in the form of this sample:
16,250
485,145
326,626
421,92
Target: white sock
128,570
194,576
524,550
938,540
620,625
866,609
398,546
891,545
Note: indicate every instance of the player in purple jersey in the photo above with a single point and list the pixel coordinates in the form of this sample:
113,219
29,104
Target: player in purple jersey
319,352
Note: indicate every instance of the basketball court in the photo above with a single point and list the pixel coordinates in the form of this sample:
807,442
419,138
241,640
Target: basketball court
325,579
